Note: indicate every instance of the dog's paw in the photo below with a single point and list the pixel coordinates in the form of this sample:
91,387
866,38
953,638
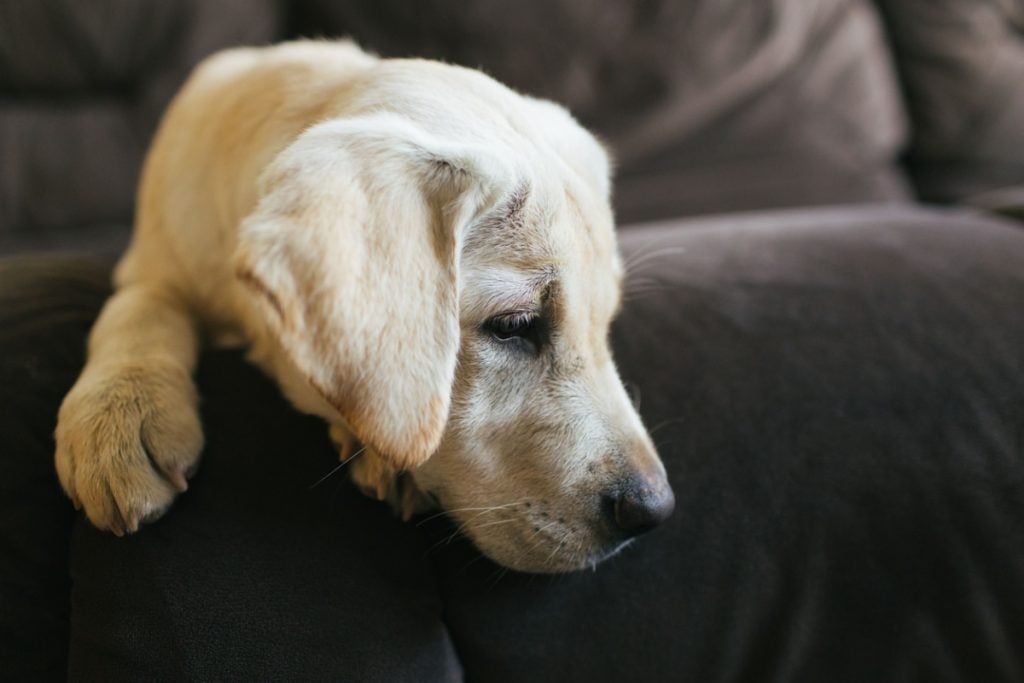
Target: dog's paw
128,437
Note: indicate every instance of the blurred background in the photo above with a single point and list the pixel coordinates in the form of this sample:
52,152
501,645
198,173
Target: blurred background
709,106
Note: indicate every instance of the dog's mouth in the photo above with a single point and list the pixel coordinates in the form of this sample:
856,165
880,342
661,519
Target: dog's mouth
531,536
546,549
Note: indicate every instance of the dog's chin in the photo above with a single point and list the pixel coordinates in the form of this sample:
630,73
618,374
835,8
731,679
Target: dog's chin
528,560
531,542
517,553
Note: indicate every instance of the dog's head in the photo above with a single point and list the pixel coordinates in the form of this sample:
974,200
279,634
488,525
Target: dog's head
439,264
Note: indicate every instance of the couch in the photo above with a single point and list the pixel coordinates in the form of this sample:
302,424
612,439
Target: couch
824,330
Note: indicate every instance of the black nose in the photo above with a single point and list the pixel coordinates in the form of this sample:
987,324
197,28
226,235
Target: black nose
640,506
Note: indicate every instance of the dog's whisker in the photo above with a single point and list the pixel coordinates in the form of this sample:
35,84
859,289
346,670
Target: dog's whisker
444,541
551,557
326,476
645,257
469,564
652,286
640,255
633,284
336,468
482,510
423,521
639,293
647,250
495,577
665,423
466,524
635,293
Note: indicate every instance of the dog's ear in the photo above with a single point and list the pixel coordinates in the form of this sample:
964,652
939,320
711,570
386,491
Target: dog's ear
352,255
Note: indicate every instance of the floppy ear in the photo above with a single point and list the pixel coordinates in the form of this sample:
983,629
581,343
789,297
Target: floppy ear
352,255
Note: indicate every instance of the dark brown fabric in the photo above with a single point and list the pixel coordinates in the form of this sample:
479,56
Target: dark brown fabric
837,396
708,105
261,574
47,306
82,86
839,400
272,566
962,63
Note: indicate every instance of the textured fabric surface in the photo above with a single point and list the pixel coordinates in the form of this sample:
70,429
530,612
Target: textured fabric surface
46,309
837,397
839,400
708,105
963,66
260,574
82,85
268,568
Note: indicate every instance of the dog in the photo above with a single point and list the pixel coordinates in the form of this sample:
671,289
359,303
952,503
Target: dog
415,253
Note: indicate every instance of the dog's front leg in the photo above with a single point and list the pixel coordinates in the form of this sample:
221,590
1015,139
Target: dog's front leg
128,433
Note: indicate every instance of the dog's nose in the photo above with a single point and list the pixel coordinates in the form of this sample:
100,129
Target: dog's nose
640,506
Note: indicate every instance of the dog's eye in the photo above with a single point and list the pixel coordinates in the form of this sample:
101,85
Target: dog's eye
521,331
511,325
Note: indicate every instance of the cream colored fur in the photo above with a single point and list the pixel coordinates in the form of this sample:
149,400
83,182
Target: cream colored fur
356,222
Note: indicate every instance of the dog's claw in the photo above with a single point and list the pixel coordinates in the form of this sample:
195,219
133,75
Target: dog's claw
343,441
178,480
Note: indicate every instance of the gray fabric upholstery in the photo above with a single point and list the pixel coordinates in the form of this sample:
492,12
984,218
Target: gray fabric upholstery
708,105
359,601
83,84
962,62
838,396
47,306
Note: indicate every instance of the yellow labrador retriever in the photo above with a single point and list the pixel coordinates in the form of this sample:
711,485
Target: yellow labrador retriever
415,253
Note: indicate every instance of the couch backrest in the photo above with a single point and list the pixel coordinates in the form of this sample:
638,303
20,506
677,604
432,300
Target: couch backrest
708,105
962,62
83,83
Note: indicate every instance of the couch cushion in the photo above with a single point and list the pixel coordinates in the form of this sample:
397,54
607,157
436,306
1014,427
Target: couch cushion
708,105
259,572
963,65
271,567
839,400
46,308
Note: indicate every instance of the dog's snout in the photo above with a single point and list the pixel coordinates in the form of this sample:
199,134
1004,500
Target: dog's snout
639,506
